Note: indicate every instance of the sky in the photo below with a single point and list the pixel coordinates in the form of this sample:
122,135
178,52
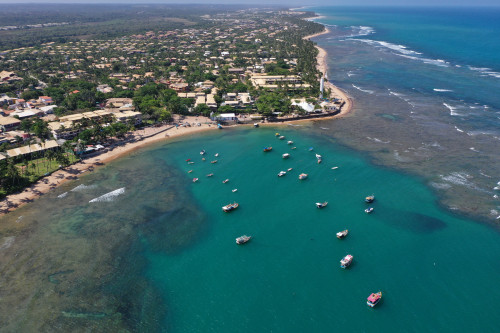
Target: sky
292,3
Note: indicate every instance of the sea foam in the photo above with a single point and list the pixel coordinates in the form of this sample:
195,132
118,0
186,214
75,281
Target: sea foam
110,196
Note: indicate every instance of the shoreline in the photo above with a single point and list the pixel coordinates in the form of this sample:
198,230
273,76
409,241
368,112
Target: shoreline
148,136
139,139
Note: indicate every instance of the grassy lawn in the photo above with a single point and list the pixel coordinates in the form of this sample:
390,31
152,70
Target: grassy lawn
42,166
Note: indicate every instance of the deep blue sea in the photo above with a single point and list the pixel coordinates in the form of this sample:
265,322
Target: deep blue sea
425,84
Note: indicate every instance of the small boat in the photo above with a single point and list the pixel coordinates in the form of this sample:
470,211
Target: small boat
282,173
286,155
255,124
369,210
334,168
303,176
370,198
213,162
195,180
235,190
318,156
294,147
190,162
230,207
203,158
268,148
277,134
321,204
243,239
225,181
190,171
282,137
311,148
202,152
216,155
219,126
210,175
290,142
374,299
289,169
346,261
342,234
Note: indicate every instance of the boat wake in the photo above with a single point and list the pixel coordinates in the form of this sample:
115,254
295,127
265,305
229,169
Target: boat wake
109,197
442,90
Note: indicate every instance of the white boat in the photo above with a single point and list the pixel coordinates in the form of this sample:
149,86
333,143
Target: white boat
286,155
290,142
342,234
369,210
216,155
318,156
255,124
282,173
303,176
235,190
225,181
282,137
195,180
335,168
202,152
210,175
346,261
243,239
289,169
230,207
321,204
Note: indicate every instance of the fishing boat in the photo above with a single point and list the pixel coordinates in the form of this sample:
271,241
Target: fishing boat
303,176
286,155
346,261
243,239
255,124
195,180
321,204
342,234
190,171
225,181
318,156
289,169
282,137
203,158
202,152
374,299
370,198
277,134
213,162
290,142
268,148
230,207
216,155
235,190
282,173
210,175
369,210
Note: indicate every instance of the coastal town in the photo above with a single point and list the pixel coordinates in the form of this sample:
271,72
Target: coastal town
63,103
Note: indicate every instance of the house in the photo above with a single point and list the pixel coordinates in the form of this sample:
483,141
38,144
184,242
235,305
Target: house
227,117
179,86
34,148
293,82
45,100
119,102
9,123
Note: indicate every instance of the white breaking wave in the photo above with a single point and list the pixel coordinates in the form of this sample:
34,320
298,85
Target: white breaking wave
62,195
459,130
463,179
83,187
452,109
363,90
442,90
403,51
108,197
8,241
377,140
485,71
474,149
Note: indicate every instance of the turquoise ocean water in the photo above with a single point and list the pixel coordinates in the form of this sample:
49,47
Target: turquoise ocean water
136,245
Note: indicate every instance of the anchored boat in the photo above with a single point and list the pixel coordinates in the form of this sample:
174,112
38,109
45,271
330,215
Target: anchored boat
321,204
230,207
346,261
243,239
370,198
342,234
374,299
369,210
268,148
285,156
282,173
303,176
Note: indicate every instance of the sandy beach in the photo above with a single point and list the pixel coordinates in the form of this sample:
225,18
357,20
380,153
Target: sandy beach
143,137
137,139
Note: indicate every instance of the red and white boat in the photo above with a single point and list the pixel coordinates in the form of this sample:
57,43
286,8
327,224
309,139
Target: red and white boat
374,299
195,180
346,261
